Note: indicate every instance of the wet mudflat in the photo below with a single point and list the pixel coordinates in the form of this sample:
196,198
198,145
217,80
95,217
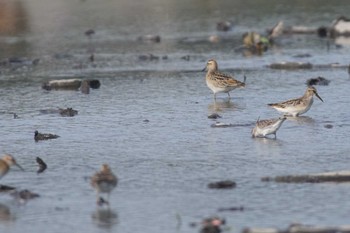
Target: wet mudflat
149,118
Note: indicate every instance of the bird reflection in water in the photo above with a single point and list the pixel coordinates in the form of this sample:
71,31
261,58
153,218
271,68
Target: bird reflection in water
5,214
104,217
218,106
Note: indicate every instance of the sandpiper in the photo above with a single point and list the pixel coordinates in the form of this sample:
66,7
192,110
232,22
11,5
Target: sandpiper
104,181
5,163
44,136
219,82
266,127
298,106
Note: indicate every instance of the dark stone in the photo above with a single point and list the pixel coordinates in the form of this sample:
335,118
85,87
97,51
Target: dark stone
317,81
94,83
226,184
214,116
42,165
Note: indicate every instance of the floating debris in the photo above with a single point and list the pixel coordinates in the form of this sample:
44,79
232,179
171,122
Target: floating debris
44,136
226,184
336,177
42,165
317,81
214,116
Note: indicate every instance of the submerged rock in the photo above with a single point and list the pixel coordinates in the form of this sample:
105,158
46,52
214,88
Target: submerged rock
214,116
44,136
336,177
226,184
317,81
68,112
224,26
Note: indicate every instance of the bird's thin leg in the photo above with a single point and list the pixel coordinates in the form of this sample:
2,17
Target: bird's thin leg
228,93
215,97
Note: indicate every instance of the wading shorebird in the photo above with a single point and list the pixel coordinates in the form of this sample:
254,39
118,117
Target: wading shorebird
219,82
5,163
44,136
104,181
266,127
298,106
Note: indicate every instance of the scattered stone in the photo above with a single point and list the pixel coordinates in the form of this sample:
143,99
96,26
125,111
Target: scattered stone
42,165
150,38
89,32
224,26
240,208
214,116
328,126
186,58
148,57
94,83
68,112
317,81
302,55
336,177
15,116
44,136
146,121
226,184
290,65
5,188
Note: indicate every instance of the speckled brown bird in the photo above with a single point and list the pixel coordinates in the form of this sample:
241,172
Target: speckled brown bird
5,163
219,82
104,181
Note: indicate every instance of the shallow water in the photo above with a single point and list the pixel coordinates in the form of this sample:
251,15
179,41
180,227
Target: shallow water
164,164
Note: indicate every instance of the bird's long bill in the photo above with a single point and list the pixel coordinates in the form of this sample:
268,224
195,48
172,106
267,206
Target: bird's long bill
318,96
19,166
204,69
